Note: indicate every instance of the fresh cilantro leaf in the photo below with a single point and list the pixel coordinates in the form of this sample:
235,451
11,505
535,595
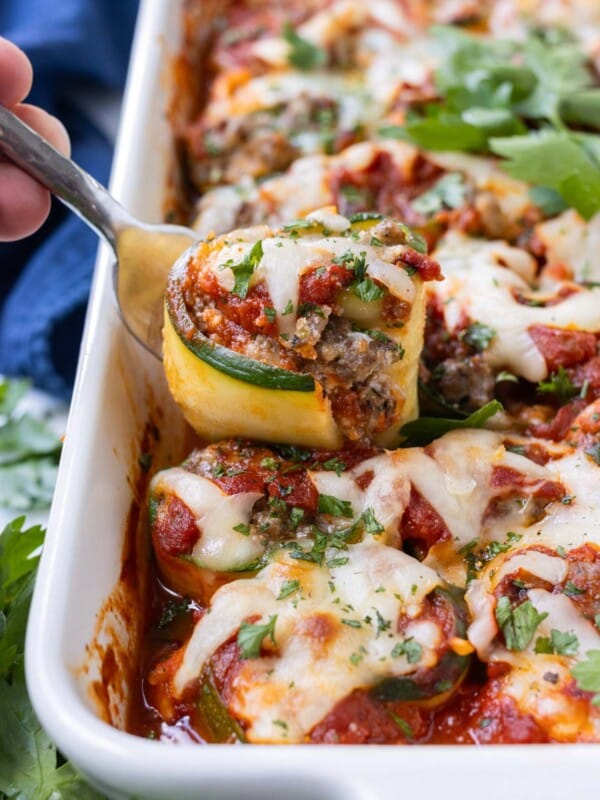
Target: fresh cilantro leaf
303,55
333,506
478,336
563,644
250,637
587,674
547,200
409,648
244,269
519,624
441,131
449,192
288,587
581,108
424,430
575,173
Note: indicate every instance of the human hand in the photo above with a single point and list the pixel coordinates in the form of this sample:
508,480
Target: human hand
24,203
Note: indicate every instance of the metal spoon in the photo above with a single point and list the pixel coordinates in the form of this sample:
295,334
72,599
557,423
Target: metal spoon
144,253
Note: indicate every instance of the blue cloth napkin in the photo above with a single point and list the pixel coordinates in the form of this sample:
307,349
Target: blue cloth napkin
74,45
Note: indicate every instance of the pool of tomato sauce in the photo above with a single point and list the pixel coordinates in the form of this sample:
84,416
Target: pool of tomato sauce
478,713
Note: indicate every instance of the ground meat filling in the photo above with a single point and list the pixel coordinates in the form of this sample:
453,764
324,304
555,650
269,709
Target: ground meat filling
264,142
350,364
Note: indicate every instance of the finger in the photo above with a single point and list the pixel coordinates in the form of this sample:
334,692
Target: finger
24,203
16,74
49,127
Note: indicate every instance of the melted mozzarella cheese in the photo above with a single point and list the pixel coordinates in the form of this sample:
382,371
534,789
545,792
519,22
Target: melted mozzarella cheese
318,658
285,259
478,285
572,242
219,547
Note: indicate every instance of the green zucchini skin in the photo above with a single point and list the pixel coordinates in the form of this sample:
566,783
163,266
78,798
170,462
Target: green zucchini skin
215,718
448,673
233,364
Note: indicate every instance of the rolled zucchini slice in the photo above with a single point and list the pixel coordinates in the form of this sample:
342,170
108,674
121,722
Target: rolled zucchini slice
309,334
295,640
218,515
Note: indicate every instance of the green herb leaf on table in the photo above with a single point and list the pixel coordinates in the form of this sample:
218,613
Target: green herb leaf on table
29,453
29,762
424,430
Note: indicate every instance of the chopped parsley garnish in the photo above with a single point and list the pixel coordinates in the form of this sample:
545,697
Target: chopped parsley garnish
244,270
270,313
587,674
382,623
281,724
334,465
370,522
242,528
172,610
269,463
288,587
327,504
518,624
303,55
296,515
289,309
478,336
250,637
352,623
368,291
559,385
476,559
409,648
424,430
571,590
562,644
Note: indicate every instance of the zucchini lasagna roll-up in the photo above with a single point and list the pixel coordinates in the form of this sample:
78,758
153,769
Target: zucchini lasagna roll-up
302,650
309,334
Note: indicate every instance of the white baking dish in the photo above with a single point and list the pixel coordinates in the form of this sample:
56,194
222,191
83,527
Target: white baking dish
85,611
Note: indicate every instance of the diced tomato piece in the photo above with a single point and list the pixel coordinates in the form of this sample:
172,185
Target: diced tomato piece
562,347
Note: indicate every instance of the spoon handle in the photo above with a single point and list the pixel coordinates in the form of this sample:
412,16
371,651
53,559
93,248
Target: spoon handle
71,184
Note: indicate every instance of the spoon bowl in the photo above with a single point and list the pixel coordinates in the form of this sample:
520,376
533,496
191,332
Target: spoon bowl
144,253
